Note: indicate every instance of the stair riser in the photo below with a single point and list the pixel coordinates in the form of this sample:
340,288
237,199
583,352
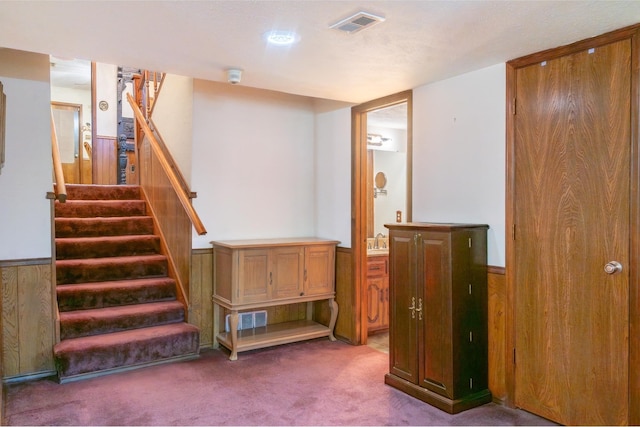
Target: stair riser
91,271
95,208
102,248
92,227
71,362
69,299
86,326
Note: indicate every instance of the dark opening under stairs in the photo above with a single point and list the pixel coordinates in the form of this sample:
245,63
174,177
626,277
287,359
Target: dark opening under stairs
118,307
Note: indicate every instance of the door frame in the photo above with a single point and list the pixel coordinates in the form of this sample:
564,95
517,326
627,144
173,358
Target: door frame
633,33
359,191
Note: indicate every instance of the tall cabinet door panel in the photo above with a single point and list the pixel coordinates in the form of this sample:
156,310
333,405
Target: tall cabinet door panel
402,320
435,303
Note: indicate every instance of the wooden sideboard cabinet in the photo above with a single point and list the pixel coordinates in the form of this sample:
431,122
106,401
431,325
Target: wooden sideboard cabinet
251,274
438,319
378,293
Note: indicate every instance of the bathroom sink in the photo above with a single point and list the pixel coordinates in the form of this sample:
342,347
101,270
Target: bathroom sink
381,251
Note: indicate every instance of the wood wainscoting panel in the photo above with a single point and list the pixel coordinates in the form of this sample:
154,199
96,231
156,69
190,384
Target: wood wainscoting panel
201,304
105,160
346,323
497,333
27,318
171,218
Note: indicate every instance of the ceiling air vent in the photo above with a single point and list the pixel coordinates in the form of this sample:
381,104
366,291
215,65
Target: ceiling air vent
357,22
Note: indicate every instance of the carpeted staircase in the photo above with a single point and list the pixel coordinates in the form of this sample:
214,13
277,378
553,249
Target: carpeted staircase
118,307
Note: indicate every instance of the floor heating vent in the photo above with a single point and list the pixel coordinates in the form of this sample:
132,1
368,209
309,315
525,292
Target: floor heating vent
248,320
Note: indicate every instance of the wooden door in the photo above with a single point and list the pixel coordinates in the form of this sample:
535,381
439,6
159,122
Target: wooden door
403,338
572,155
67,118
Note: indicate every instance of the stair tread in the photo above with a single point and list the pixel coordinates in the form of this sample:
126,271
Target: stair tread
98,219
122,238
122,310
106,341
111,260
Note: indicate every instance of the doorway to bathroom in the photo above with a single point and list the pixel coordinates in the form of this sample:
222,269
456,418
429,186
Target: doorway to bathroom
381,194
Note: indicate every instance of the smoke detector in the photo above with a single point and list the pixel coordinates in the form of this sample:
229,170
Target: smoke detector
234,75
357,22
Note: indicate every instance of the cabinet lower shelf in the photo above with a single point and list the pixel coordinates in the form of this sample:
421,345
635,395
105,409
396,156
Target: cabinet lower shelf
434,399
276,334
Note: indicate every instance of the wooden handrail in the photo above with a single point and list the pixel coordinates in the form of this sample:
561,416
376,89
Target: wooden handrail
61,188
175,183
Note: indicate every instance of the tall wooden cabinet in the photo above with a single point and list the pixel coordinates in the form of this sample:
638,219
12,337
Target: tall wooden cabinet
438,313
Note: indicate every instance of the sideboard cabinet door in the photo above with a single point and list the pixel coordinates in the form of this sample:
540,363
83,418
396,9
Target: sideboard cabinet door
287,271
319,269
253,275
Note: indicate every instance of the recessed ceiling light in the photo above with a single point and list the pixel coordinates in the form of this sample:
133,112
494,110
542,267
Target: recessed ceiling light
281,38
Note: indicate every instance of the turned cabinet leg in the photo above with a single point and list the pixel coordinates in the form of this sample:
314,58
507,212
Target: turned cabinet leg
233,325
333,306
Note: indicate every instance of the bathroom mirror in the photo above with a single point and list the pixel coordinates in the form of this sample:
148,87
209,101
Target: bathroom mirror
380,180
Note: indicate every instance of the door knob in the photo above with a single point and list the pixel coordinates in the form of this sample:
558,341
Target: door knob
612,267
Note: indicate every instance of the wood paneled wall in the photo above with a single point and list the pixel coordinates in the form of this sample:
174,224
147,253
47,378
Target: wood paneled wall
345,325
497,290
27,318
105,160
172,221
201,304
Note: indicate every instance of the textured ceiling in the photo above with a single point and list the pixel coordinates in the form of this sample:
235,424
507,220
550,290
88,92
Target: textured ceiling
419,42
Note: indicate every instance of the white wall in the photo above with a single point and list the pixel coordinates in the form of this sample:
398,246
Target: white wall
252,163
25,212
459,153
333,173
173,116
107,90
394,166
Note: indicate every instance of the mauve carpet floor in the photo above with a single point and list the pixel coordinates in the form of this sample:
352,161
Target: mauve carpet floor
315,382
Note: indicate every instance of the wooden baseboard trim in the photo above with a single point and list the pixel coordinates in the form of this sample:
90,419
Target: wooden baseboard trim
21,262
492,269
28,377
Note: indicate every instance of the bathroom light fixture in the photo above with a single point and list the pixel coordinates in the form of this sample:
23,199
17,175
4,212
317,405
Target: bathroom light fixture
281,38
376,139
